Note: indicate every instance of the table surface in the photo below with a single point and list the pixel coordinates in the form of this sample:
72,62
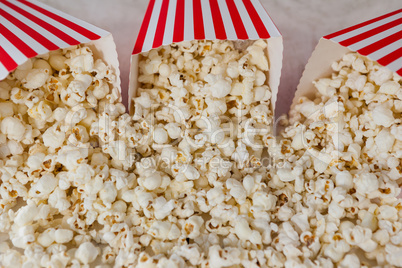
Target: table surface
301,23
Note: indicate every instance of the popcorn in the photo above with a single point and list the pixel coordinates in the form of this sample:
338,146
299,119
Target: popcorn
184,181
384,141
215,196
108,193
164,230
352,152
57,61
193,225
219,87
163,208
13,128
366,183
244,232
40,134
153,181
223,257
285,175
87,253
44,186
344,179
35,78
160,136
382,116
25,215
46,238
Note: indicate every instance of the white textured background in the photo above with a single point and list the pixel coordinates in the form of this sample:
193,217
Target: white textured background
301,23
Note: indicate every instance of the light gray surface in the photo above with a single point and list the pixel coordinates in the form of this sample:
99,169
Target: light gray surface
301,23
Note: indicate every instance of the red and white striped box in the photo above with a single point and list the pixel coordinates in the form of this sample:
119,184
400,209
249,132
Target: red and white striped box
30,28
379,39
172,21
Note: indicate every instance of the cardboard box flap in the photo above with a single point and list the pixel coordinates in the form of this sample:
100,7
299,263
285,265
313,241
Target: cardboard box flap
171,21
379,39
30,28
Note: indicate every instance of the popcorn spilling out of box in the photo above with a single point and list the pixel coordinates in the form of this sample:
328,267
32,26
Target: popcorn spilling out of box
194,175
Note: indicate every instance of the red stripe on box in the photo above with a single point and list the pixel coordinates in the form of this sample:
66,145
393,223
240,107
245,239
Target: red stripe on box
199,33
399,72
237,21
258,24
60,34
79,29
349,29
365,35
7,61
160,28
18,43
144,28
219,27
393,56
29,31
178,34
380,43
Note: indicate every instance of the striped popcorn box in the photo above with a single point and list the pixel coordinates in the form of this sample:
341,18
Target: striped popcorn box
380,39
172,21
30,28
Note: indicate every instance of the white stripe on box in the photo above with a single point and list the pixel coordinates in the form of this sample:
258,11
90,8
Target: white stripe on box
395,65
48,35
188,20
375,38
12,51
227,21
169,26
266,19
245,17
3,72
153,23
366,28
70,32
209,28
385,50
82,23
29,41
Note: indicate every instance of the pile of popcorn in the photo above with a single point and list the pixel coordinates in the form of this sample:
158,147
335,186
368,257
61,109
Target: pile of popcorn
340,164
195,177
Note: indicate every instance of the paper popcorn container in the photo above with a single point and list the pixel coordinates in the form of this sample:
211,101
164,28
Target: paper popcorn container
30,28
379,39
172,21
